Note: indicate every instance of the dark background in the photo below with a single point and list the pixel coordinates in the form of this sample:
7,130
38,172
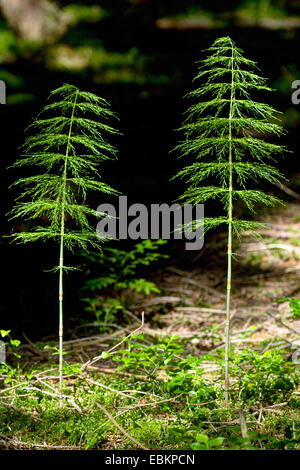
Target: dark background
140,55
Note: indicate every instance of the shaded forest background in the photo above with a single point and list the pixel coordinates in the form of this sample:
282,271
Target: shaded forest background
140,55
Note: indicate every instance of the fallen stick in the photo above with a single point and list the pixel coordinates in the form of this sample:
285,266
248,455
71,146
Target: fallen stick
98,358
287,190
118,426
243,424
17,444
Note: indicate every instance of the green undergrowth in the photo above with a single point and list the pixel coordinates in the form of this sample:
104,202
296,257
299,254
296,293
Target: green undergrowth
160,396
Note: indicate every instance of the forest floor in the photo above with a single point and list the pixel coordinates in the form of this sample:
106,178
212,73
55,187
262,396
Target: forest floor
162,386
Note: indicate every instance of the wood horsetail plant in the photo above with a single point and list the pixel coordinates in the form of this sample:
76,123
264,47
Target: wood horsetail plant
67,144
223,132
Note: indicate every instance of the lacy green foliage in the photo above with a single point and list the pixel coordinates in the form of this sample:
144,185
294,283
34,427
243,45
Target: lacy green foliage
224,133
120,267
67,146
120,274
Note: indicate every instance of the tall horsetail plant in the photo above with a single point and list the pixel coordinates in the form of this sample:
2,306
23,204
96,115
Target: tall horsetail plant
67,143
223,132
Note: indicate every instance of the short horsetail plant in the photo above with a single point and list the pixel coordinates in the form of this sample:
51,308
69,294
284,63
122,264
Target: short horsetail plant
223,131
67,145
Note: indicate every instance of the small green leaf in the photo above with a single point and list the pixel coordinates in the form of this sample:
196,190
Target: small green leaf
202,438
198,446
105,354
295,308
4,333
216,442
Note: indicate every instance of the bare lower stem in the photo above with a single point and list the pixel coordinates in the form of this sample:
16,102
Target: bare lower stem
61,257
60,329
227,322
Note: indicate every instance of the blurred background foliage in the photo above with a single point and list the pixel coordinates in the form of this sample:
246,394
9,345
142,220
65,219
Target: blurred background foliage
140,55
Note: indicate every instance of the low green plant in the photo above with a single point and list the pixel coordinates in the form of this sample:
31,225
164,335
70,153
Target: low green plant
294,305
120,275
9,341
143,406
286,427
149,359
203,442
187,377
235,441
264,378
181,375
295,308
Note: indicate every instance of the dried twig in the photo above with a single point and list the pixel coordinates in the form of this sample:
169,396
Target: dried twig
153,403
7,442
288,191
99,384
112,419
98,358
243,424
283,323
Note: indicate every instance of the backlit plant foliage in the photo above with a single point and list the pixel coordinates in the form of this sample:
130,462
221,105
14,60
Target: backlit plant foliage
66,146
223,133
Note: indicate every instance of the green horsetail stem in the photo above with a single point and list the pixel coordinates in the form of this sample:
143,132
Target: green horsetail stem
218,136
69,147
229,244
61,253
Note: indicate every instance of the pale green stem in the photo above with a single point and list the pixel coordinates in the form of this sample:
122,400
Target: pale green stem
229,244
61,256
